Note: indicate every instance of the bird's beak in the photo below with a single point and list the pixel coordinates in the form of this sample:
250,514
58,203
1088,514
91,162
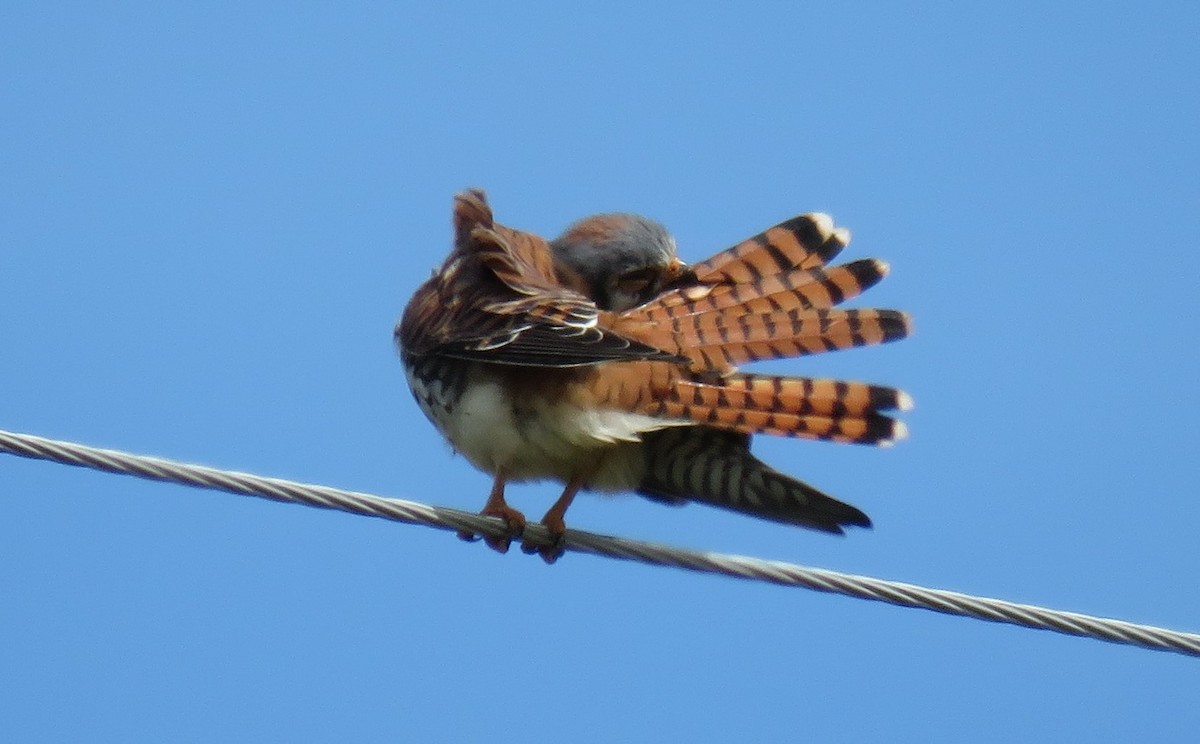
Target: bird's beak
675,268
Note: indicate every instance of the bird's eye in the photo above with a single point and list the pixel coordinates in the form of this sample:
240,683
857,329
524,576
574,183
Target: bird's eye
636,282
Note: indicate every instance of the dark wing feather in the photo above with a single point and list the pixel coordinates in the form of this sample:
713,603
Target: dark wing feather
497,300
543,345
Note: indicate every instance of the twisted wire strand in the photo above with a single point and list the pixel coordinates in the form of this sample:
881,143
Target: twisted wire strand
777,572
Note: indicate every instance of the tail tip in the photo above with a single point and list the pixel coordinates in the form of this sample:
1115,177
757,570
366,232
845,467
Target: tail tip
823,223
899,432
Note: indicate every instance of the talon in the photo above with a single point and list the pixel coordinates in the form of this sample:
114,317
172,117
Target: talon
467,536
558,535
515,521
555,550
551,554
498,544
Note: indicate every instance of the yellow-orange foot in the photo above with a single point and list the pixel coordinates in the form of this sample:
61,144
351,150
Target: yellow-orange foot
558,533
513,518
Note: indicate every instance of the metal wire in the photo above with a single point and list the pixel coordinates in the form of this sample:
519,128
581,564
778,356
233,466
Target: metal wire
788,574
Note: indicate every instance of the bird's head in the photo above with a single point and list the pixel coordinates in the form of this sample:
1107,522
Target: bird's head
619,261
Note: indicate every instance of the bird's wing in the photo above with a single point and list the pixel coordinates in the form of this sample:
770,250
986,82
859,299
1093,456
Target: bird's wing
497,299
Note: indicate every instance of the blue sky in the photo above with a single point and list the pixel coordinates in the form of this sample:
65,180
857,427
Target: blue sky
210,218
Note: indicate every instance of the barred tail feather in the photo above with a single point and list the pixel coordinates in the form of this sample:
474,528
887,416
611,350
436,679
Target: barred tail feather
830,410
793,394
726,338
796,289
869,428
716,468
804,242
813,331
769,297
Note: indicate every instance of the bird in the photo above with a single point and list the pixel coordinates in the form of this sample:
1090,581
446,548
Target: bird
601,360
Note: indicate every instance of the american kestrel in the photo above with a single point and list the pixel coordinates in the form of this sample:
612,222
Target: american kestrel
604,362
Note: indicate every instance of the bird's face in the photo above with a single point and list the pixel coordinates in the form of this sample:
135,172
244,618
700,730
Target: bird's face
619,261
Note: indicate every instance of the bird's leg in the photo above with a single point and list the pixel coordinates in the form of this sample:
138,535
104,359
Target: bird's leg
553,521
496,506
